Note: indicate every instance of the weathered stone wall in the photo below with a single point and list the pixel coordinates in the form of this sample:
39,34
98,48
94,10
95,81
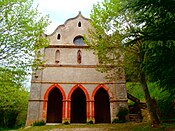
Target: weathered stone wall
68,55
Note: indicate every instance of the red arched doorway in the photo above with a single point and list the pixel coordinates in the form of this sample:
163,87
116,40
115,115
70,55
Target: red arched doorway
54,104
78,106
54,108
101,105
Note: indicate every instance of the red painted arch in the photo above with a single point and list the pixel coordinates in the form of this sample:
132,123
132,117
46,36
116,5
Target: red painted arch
87,100
93,95
81,87
46,99
104,87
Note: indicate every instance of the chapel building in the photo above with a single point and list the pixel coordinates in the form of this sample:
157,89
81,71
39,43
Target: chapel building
68,88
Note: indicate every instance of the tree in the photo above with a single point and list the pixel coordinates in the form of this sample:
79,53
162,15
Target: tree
20,33
13,99
21,37
138,24
105,40
157,32
156,16
156,19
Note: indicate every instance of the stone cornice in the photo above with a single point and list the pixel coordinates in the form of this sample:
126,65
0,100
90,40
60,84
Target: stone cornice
68,46
69,66
54,82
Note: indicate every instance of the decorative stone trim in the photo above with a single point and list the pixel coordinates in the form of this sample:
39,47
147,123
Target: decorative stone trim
49,82
67,46
70,66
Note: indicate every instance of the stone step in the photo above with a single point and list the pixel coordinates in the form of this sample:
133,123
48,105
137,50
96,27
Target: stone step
135,117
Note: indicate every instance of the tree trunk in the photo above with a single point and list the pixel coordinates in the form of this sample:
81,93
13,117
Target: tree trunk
152,111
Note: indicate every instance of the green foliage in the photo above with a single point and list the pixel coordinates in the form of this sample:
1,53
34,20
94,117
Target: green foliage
39,123
122,112
13,98
20,33
143,33
115,25
166,107
105,40
155,92
155,29
148,39
21,38
66,122
161,67
90,122
115,121
163,98
156,16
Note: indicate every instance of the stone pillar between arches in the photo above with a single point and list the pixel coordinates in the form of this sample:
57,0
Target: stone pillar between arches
64,111
88,116
92,111
68,110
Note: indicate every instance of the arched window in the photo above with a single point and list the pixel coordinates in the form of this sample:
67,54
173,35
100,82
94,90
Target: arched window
57,56
79,40
39,52
79,57
58,37
79,24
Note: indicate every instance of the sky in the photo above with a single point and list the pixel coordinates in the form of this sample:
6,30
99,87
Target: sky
61,10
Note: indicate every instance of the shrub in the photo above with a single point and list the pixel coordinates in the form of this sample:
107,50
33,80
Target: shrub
90,122
66,122
123,111
39,123
115,121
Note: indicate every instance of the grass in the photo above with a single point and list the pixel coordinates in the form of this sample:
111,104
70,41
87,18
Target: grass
128,126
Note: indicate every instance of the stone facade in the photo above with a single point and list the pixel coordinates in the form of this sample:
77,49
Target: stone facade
69,77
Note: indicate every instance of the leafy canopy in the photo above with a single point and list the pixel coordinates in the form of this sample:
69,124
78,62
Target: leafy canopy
13,98
20,32
141,28
21,29
157,18
146,38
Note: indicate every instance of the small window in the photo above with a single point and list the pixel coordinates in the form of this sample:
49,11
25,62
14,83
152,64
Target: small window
79,24
78,40
79,57
57,56
39,53
58,36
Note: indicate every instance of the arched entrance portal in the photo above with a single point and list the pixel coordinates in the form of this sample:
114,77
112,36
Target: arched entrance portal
102,106
54,108
78,106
